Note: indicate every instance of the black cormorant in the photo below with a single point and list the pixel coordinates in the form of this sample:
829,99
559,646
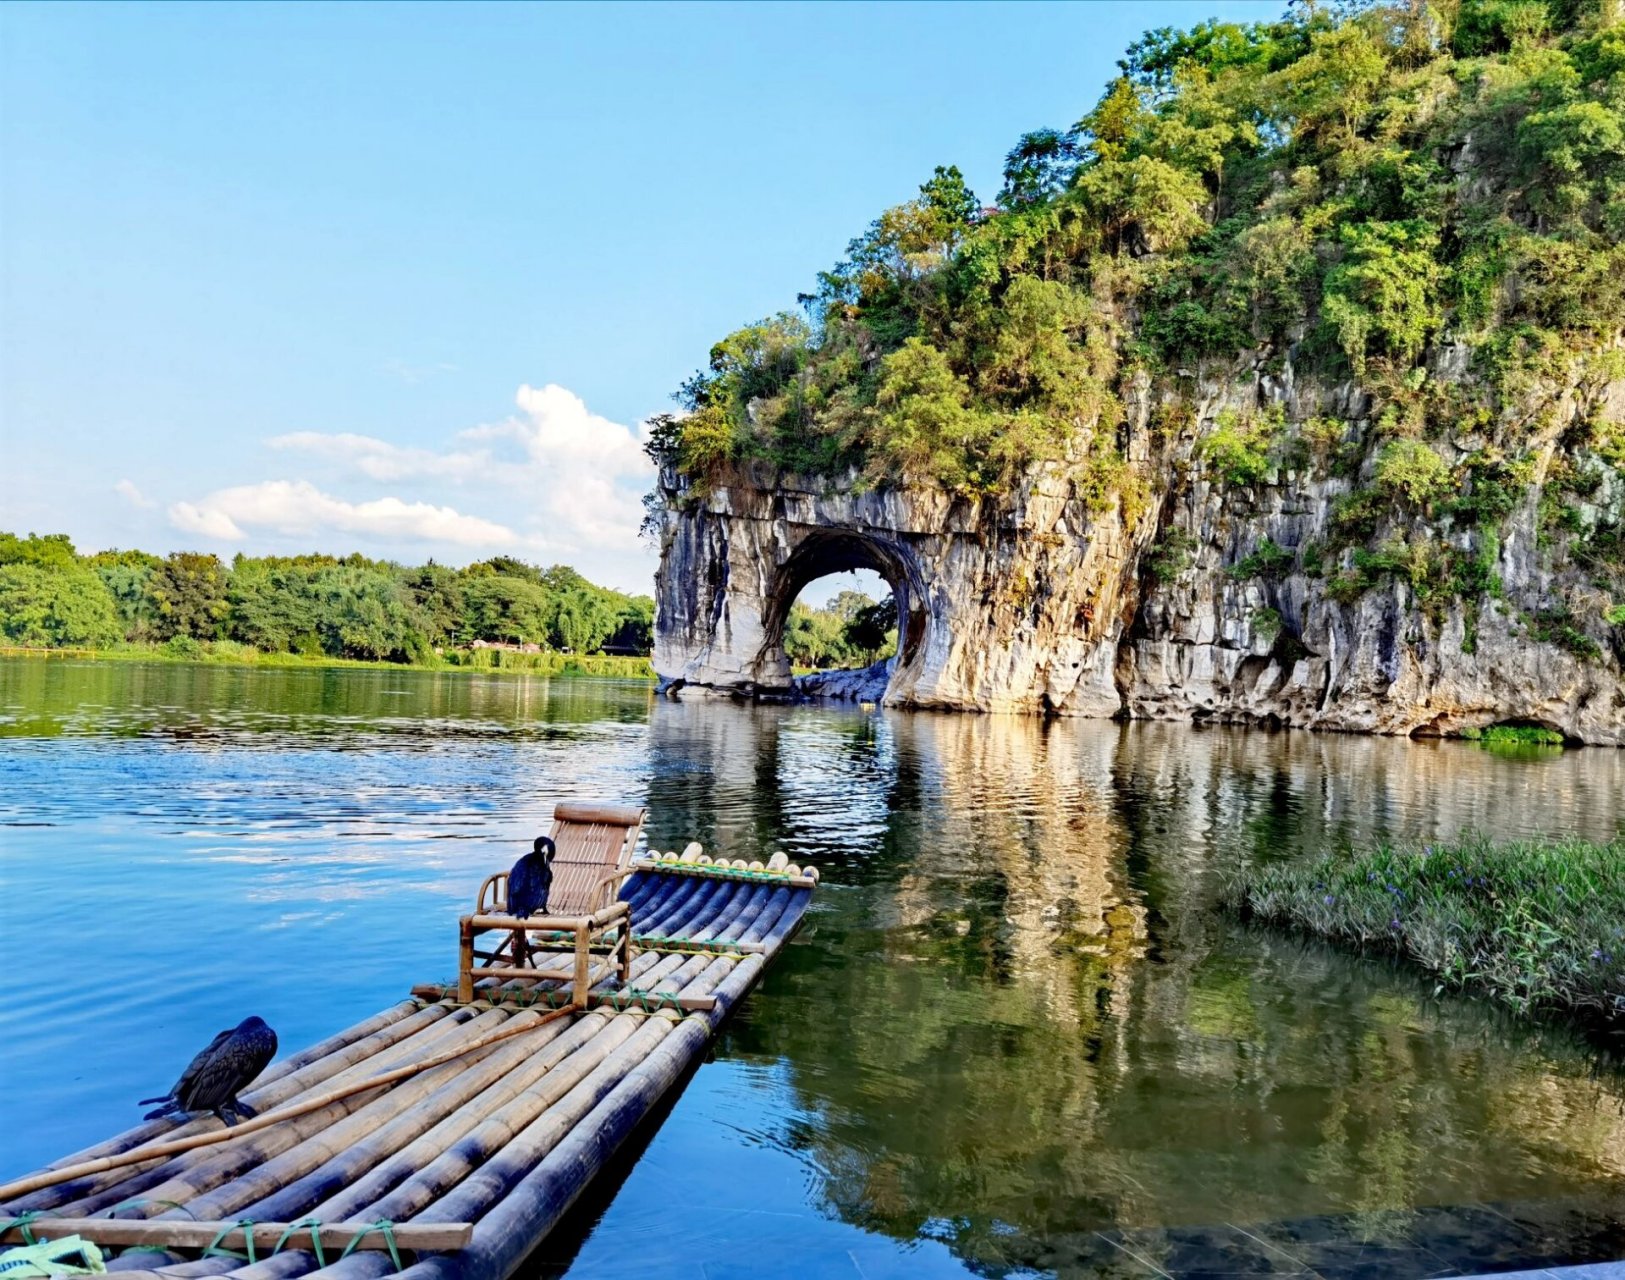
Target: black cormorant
213,1079
531,879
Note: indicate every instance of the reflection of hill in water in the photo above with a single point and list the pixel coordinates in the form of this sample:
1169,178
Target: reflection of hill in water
1015,1016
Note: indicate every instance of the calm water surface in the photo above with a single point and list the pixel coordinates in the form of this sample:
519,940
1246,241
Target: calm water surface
1013,1018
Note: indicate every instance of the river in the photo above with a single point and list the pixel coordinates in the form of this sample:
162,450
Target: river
1015,1037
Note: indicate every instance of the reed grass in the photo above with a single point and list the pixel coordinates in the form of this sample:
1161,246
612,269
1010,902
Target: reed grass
1537,924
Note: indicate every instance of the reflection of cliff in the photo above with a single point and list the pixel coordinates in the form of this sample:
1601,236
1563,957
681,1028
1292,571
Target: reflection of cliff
1016,1015
1009,810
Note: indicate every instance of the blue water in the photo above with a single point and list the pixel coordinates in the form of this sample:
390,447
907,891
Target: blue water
1013,1032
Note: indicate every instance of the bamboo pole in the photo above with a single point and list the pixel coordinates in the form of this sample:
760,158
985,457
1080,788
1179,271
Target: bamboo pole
734,934
284,1083
527,1087
140,1155
514,1226
221,1198
186,1175
686,907
792,875
509,1131
640,887
669,900
95,1193
304,1176
701,908
436,1236
772,911
742,903
482,1188
451,1171
775,906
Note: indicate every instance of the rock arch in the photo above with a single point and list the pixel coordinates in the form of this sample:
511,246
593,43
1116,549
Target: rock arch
821,552
1010,607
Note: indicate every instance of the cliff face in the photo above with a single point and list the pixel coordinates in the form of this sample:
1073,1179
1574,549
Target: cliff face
1206,598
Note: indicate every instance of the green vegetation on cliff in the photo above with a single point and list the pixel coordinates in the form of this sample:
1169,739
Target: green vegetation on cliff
1538,924
1422,203
312,606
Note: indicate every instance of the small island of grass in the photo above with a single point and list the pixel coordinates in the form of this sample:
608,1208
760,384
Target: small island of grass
1539,925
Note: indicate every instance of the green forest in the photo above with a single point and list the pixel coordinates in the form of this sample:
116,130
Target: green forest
1294,184
315,606
852,630
189,604
1359,193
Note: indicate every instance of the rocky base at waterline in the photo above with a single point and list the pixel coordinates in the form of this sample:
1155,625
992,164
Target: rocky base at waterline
864,684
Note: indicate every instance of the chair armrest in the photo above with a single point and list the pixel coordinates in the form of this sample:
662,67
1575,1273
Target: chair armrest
604,881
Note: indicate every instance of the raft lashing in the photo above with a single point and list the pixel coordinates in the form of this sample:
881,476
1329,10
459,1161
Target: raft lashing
498,1111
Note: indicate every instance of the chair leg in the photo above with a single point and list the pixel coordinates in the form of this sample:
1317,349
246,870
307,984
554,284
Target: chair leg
465,962
583,967
626,953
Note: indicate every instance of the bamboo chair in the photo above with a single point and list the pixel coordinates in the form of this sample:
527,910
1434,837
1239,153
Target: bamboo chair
594,854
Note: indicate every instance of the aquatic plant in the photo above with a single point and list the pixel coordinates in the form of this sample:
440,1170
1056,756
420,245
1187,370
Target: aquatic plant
1521,735
1537,924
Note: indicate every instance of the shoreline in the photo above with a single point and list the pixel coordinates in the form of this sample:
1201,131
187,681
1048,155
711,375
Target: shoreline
208,655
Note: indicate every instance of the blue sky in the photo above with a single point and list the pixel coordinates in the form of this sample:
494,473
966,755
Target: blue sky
407,279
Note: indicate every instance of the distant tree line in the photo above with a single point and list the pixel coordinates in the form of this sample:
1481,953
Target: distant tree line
315,605
850,631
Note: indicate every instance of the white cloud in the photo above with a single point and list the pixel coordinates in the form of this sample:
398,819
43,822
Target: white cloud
552,482
586,474
300,508
581,475
127,490
205,520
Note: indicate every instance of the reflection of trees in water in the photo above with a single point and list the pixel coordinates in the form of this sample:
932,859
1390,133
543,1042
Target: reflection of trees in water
1015,1015
255,705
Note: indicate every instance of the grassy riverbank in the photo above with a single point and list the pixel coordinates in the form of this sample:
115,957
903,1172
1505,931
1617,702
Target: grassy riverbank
230,653
1539,925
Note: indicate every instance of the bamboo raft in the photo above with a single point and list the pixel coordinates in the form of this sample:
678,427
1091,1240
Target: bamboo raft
445,1136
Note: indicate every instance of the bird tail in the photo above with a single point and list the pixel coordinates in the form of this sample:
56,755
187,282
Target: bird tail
170,1108
162,1097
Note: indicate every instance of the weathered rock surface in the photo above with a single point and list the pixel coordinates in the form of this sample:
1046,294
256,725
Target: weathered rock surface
867,684
1046,601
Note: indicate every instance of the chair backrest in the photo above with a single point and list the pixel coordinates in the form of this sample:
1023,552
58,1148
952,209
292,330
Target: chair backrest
593,840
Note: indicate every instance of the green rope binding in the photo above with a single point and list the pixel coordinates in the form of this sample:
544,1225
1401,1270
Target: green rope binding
21,1221
628,998
246,1226
719,948
315,1238
385,1227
